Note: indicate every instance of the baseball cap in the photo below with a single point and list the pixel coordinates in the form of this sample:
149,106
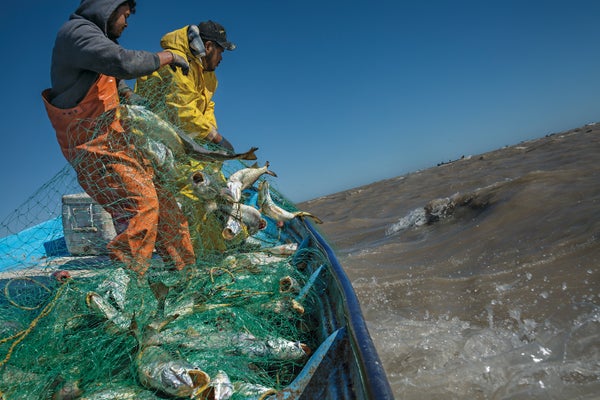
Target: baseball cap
210,30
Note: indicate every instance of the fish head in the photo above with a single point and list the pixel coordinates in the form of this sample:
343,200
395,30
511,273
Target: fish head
185,382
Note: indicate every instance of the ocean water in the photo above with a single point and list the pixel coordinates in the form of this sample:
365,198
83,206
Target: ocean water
480,278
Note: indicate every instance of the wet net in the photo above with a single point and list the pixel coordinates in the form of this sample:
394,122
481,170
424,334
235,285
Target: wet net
85,316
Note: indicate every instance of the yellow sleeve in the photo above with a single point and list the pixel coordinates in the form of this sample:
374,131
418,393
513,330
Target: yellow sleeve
185,100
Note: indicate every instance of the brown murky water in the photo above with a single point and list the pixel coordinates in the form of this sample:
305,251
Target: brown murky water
479,278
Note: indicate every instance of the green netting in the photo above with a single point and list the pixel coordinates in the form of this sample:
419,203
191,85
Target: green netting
75,323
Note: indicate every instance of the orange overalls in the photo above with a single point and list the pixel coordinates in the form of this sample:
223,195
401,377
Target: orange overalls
119,178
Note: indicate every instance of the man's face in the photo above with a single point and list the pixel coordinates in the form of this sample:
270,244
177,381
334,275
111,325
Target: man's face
118,21
214,55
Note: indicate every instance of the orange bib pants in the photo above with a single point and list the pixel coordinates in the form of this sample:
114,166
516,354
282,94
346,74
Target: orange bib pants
119,178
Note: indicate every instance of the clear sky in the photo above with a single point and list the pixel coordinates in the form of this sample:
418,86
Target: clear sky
337,94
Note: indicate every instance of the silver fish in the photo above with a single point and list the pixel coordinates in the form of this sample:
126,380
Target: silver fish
272,348
221,386
160,154
243,179
145,123
102,306
156,128
247,215
287,284
233,227
157,370
232,192
272,210
252,259
283,306
115,287
252,391
120,393
203,185
284,249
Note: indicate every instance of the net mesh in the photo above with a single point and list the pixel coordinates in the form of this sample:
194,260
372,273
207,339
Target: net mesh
77,323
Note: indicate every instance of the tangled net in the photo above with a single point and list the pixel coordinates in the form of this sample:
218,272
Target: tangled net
236,324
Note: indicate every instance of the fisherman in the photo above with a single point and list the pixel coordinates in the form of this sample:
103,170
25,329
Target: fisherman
188,98
88,65
186,101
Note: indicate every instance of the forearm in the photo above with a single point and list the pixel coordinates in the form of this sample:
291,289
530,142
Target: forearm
165,58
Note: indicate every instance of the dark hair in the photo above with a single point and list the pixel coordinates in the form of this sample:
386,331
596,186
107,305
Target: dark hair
131,4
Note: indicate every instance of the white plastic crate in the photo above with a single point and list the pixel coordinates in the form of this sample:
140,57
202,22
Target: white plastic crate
87,226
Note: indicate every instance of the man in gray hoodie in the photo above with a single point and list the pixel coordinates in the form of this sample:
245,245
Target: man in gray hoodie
88,65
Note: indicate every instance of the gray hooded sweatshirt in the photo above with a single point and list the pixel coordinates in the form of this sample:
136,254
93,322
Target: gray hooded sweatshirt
82,51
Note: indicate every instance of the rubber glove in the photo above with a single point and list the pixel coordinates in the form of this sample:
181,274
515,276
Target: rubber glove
180,62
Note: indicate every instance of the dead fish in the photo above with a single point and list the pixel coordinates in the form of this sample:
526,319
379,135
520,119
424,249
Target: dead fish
247,215
285,305
120,392
270,209
252,391
233,227
203,185
221,387
272,348
284,249
178,142
287,284
60,388
246,260
160,154
243,179
158,370
101,306
145,123
115,287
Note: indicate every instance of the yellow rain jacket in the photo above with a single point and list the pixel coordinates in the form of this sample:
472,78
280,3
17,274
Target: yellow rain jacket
185,101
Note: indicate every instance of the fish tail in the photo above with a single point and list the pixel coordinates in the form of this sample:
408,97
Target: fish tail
303,214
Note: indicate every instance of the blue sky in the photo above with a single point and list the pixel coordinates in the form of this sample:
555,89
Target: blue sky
337,94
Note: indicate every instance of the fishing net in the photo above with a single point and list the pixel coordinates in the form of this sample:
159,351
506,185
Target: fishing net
77,323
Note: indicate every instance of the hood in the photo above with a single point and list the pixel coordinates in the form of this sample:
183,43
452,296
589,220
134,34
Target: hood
177,40
97,11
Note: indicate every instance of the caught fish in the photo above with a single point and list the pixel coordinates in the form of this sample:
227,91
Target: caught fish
233,227
221,387
284,250
270,209
253,391
156,128
102,306
283,306
243,179
144,123
272,348
246,260
203,185
115,287
160,154
247,215
120,392
287,284
158,370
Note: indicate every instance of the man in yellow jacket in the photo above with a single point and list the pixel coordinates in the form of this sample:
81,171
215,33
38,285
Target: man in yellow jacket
186,102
